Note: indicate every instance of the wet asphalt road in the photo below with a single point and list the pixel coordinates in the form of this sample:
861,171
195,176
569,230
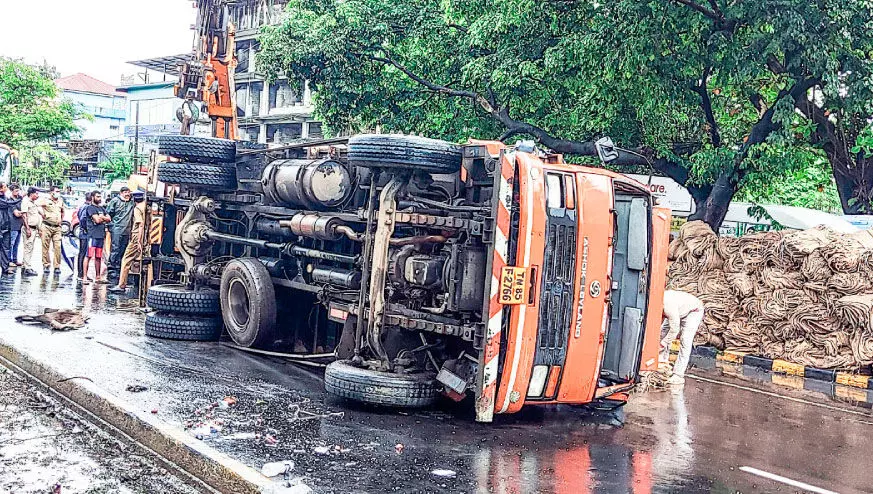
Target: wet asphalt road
702,438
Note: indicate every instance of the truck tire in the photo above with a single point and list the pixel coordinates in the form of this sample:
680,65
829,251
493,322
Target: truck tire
248,302
197,149
404,152
344,380
172,326
197,175
181,299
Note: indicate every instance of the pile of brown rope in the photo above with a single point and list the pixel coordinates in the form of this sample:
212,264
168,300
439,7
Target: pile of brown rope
803,296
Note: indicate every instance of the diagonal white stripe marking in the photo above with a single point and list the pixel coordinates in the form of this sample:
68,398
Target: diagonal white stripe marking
501,245
786,480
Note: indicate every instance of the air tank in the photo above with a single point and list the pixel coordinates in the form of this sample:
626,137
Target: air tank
312,184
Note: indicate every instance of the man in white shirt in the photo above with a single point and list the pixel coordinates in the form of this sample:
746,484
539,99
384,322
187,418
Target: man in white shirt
683,314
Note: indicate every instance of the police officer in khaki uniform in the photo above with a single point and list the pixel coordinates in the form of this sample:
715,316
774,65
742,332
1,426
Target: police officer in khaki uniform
31,213
53,214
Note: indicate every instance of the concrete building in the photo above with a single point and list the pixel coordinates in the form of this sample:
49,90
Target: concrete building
101,101
268,113
151,111
99,134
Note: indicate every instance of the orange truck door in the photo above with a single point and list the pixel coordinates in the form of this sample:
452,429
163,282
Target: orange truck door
661,219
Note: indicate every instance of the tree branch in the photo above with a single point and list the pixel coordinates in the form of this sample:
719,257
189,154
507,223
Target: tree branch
516,127
428,84
706,105
720,22
765,125
700,8
715,8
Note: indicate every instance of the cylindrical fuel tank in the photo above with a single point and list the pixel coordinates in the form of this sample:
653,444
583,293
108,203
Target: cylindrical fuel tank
313,184
337,276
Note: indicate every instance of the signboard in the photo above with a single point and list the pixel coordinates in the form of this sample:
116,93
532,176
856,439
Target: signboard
152,130
669,193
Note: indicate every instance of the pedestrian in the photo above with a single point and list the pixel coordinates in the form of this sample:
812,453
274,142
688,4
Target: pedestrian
31,213
133,253
120,209
17,224
83,236
97,221
53,214
5,232
683,314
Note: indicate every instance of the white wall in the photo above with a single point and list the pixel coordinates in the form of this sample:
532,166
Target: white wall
108,114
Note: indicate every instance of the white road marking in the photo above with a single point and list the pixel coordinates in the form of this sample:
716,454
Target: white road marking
786,481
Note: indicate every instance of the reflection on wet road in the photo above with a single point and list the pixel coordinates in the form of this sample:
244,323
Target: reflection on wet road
697,439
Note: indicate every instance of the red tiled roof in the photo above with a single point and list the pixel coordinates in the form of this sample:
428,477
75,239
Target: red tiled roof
85,84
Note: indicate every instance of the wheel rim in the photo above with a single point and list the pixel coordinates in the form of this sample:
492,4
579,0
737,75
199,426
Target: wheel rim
238,297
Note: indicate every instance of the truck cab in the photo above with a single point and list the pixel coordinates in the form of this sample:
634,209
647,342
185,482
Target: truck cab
581,241
497,276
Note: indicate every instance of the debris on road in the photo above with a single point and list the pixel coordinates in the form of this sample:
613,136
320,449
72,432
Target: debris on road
241,436
398,448
442,472
802,296
48,448
136,388
57,319
650,380
276,468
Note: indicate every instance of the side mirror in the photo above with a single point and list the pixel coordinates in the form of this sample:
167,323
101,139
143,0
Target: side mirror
606,150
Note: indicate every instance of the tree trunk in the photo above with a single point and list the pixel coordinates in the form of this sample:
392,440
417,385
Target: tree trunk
712,202
854,181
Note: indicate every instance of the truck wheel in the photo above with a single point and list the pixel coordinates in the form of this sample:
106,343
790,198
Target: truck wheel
197,149
404,152
248,302
182,327
344,380
179,298
198,175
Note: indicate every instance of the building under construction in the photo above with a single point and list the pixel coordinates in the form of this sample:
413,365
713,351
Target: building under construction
270,113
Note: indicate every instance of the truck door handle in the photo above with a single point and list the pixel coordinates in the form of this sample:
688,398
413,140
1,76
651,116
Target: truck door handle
531,295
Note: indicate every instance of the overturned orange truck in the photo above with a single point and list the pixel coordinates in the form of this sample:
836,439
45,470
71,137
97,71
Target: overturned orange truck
494,275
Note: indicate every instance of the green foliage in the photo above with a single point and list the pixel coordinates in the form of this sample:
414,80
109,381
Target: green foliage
864,143
806,182
29,110
645,73
119,164
41,165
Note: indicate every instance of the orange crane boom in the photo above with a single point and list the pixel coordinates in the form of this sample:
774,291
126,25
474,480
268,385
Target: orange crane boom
209,78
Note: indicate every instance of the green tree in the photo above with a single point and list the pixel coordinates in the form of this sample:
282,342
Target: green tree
695,87
29,108
808,182
42,166
118,164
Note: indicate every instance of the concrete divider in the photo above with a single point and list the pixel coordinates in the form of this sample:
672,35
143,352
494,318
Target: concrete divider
778,366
